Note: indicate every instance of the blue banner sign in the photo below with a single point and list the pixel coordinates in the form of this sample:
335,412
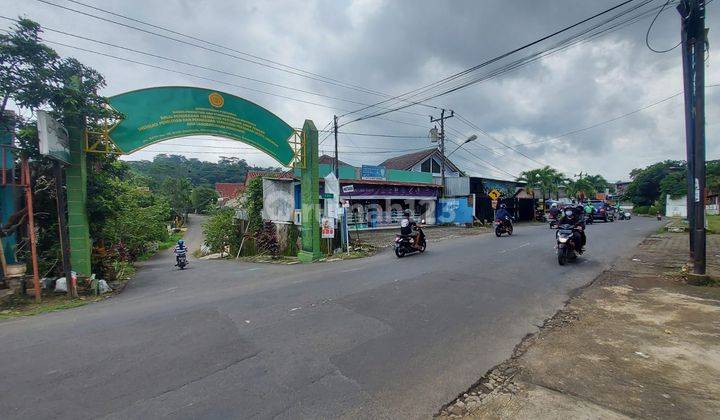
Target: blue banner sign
373,172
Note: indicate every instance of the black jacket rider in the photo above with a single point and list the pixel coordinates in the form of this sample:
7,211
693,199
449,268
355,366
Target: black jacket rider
576,220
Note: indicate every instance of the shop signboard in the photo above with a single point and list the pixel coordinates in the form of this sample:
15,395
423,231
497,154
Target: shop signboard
371,172
54,140
327,228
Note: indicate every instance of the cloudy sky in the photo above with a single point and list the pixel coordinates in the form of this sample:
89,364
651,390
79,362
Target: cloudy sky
364,49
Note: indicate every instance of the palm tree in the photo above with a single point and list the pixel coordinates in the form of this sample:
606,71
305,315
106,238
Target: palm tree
532,181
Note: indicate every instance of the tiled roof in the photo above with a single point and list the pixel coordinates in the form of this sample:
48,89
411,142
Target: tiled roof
407,161
329,160
229,189
268,174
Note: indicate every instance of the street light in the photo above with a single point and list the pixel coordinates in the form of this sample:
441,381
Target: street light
468,140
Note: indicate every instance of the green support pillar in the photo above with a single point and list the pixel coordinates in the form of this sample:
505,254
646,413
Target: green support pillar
310,191
78,226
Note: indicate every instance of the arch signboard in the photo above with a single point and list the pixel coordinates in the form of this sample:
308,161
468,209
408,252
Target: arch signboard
149,116
161,113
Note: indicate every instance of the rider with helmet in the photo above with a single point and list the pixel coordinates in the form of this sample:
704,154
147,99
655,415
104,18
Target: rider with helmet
406,227
180,250
574,217
503,215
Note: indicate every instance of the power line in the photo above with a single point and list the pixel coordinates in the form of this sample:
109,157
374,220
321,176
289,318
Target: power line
488,135
288,69
647,34
199,66
567,43
486,63
635,111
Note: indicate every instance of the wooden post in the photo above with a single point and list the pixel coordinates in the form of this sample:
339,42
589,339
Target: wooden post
31,227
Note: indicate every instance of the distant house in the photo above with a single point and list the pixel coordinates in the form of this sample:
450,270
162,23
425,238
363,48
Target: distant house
228,191
621,188
428,161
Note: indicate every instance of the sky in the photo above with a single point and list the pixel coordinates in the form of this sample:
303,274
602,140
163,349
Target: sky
355,53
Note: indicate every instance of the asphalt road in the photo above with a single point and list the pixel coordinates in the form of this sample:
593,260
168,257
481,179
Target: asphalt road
372,338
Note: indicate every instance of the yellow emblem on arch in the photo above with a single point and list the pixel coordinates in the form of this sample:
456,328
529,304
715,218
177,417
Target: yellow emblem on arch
216,100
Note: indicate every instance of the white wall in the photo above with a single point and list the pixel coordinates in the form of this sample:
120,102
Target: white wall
676,207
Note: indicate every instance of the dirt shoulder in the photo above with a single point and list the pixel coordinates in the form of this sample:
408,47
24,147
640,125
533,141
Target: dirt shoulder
637,343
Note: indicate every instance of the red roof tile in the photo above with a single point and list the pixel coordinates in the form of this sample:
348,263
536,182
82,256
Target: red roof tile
229,189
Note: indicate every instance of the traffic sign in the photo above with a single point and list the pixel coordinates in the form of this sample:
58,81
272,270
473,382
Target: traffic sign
494,204
494,194
327,195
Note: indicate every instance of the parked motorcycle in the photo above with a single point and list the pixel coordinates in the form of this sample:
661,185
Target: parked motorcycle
503,226
566,246
182,261
405,244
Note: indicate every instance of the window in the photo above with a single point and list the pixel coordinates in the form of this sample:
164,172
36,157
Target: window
425,167
435,166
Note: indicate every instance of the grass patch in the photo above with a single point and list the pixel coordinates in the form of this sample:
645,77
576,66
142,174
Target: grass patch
17,306
713,223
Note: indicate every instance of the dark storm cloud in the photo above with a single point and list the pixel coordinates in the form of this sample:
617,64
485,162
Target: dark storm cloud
397,46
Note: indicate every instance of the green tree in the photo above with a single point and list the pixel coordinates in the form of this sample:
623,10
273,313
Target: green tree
177,193
254,204
203,198
28,68
644,188
220,230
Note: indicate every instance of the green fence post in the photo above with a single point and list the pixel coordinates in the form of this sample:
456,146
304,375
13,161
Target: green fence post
310,191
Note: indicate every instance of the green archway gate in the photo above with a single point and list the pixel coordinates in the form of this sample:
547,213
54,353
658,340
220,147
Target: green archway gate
156,114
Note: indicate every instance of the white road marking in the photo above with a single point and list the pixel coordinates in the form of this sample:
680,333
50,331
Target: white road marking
516,248
294,309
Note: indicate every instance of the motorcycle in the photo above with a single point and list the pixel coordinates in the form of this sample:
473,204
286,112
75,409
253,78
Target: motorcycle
405,244
182,261
566,246
503,226
588,218
554,223
625,215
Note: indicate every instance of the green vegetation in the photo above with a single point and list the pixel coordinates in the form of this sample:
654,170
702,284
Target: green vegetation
197,172
203,199
549,181
713,224
17,306
221,232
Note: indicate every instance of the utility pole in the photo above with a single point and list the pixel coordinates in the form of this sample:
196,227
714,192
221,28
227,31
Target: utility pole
442,144
336,164
689,132
62,227
694,36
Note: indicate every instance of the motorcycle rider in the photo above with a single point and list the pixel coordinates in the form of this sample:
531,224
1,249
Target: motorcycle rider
180,250
554,211
589,210
503,215
574,217
406,227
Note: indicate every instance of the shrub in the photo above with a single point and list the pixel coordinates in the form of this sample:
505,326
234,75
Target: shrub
266,239
641,209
